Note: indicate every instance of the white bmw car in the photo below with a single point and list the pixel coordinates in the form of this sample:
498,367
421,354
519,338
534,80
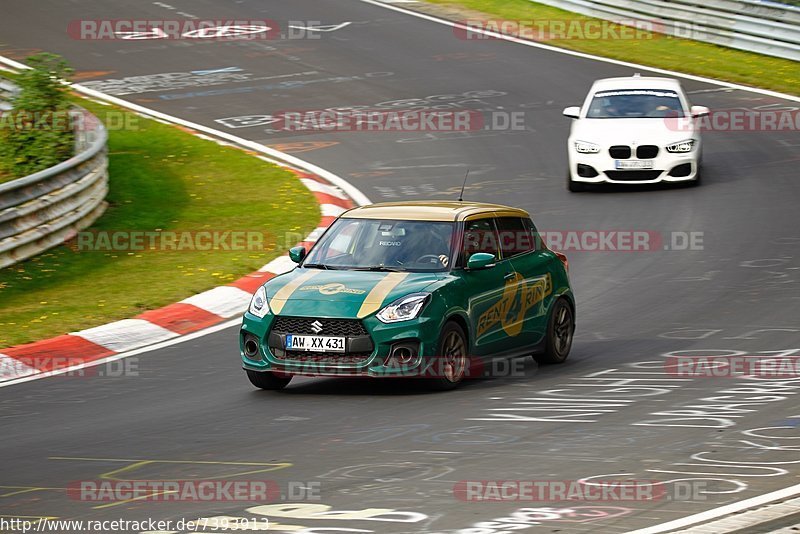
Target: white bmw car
638,130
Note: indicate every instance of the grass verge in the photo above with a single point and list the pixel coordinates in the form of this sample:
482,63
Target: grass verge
161,178
660,51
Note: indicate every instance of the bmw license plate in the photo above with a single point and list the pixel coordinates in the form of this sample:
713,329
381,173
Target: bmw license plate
314,343
642,164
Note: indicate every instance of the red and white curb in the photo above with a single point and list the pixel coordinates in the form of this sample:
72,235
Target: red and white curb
196,313
190,315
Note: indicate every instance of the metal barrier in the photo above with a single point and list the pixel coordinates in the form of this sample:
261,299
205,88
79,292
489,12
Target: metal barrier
764,27
7,92
45,209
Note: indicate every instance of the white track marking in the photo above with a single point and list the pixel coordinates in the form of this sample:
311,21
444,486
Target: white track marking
721,511
319,187
11,368
225,301
127,334
329,28
717,512
316,234
280,265
557,50
331,210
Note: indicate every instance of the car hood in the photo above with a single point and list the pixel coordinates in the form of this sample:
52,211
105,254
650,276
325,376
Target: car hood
321,293
628,131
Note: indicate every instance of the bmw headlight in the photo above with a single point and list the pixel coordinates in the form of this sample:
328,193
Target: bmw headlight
258,304
682,147
584,147
404,309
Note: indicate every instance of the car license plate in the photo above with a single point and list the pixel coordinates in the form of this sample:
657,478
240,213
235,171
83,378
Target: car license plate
634,164
314,343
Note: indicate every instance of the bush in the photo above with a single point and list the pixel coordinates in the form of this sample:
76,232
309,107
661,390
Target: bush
37,135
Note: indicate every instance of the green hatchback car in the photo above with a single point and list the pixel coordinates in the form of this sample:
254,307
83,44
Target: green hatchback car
416,289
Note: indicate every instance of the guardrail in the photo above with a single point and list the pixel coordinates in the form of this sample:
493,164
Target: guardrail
45,209
7,92
756,26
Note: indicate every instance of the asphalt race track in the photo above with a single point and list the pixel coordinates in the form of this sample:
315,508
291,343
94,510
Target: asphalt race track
610,412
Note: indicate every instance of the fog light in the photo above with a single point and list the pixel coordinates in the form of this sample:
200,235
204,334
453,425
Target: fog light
681,171
587,171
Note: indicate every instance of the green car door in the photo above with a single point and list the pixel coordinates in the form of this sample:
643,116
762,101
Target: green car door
491,290
534,266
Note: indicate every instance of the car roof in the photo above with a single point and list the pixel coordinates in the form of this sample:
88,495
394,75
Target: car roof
441,211
636,82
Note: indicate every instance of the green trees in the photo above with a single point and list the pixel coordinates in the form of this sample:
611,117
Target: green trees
38,132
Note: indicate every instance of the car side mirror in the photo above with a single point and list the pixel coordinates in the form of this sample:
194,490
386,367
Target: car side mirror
700,111
480,260
296,254
573,112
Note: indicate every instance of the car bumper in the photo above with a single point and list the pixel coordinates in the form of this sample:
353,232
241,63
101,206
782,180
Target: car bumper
419,336
601,168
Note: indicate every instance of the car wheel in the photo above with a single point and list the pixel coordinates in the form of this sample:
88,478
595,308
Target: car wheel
268,380
560,329
451,359
573,186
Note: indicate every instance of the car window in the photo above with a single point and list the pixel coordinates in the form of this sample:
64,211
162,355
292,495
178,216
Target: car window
479,236
538,239
635,104
515,236
376,244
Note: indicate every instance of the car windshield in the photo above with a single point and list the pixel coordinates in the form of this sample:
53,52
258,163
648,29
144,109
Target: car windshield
635,104
383,245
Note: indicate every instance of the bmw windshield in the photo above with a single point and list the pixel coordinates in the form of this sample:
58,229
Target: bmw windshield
384,245
635,104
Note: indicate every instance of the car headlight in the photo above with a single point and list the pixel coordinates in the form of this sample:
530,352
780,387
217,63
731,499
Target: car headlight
403,309
258,304
682,147
584,147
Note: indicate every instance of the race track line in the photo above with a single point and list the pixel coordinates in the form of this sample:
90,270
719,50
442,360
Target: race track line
583,55
715,513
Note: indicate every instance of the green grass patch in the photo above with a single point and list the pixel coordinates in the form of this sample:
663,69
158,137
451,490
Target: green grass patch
161,178
683,55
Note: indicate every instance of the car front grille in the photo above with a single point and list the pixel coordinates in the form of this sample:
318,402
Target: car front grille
634,176
620,152
330,327
647,152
